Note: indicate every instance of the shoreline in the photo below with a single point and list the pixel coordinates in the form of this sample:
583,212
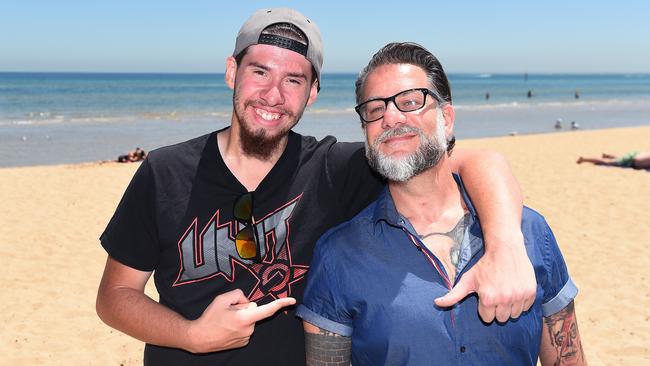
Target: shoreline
57,144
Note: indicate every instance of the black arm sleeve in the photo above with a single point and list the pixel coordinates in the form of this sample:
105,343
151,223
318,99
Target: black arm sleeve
353,181
131,235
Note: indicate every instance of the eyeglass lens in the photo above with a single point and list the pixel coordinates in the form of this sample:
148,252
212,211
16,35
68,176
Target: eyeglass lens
245,242
243,208
406,101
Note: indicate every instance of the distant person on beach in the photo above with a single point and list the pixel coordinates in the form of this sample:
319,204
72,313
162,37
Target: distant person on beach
227,222
529,94
371,293
576,95
633,159
558,124
574,125
132,156
487,96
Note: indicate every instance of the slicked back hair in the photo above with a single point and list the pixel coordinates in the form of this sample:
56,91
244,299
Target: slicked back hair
407,53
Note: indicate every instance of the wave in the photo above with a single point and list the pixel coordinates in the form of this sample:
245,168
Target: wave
223,115
553,104
101,118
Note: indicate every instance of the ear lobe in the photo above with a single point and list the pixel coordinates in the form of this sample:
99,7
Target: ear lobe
231,72
313,93
450,115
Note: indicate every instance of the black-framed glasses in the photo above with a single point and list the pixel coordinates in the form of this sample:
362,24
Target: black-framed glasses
246,240
406,101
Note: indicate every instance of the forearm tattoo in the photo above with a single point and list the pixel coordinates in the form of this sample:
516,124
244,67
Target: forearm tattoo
327,348
565,338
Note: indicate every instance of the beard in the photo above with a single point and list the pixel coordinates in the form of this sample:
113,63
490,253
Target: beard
401,169
259,143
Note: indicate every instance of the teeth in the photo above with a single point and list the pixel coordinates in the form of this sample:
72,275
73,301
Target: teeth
266,115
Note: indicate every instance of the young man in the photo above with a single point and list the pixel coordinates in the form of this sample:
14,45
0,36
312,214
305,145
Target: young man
227,222
374,280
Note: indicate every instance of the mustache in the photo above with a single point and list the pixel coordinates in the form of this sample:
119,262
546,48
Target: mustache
254,103
397,131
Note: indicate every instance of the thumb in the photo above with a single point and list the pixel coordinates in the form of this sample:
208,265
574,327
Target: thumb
464,287
233,297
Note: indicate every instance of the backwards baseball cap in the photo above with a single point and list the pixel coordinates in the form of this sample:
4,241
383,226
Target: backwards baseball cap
251,34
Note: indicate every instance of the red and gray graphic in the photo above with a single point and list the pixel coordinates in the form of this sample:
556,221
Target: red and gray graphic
211,253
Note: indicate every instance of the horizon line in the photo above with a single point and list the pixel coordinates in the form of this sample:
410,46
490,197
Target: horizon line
480,73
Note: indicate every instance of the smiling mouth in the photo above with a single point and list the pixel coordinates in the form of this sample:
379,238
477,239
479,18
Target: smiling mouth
267,116
398,138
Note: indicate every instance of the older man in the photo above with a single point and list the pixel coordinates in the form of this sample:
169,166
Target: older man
371,293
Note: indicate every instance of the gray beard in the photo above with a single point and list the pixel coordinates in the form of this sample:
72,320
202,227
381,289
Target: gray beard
431,150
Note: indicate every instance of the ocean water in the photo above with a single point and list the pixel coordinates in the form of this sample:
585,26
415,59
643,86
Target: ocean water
51,118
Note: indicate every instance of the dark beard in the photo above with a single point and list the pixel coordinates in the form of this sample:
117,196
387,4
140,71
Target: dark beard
258,143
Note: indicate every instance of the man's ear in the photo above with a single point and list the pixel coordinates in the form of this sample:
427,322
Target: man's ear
449,114
231,72
313,93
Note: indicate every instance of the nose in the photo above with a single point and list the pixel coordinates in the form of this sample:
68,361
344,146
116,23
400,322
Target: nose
570,340
272,94
392,116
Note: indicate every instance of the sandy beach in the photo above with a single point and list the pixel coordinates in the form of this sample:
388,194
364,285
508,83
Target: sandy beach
52,217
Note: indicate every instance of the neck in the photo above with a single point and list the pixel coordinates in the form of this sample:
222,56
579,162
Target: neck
427,197
432,203
249,170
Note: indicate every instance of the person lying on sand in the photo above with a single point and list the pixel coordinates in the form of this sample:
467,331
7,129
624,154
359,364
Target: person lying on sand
633,159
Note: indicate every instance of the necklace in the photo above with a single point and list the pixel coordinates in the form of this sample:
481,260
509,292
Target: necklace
455,233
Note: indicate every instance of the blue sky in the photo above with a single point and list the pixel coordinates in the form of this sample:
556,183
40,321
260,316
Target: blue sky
196,35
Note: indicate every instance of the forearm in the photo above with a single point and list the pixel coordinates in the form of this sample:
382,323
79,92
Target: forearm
495,193
561,343
134,313
324,348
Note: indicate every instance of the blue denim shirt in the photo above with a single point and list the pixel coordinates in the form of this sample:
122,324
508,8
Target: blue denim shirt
372,279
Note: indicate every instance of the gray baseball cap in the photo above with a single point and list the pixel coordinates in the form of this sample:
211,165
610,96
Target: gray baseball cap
251,34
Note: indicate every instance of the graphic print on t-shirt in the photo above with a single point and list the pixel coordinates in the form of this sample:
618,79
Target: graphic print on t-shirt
211,253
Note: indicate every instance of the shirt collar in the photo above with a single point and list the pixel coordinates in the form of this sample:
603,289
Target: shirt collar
385,209
463,192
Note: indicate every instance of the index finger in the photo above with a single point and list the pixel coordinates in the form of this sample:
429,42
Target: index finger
265,311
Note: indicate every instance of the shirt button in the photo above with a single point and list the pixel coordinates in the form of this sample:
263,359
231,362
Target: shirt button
462,349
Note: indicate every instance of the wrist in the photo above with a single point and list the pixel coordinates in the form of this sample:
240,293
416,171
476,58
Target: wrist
504,240
191,339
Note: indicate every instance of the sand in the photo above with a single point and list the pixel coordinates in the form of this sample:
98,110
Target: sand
51,218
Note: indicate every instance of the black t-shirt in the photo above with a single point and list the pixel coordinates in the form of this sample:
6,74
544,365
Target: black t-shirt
176,219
